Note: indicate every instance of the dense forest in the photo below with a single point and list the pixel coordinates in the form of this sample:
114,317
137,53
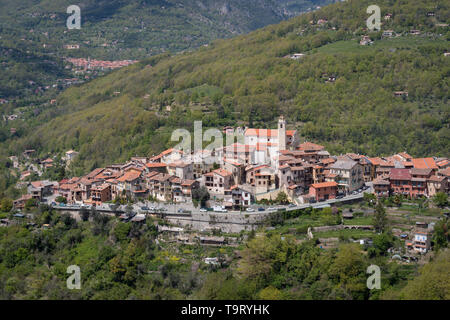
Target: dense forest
34,33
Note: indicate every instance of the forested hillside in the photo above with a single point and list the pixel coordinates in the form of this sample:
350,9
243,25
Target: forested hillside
121,261
33,34
249,80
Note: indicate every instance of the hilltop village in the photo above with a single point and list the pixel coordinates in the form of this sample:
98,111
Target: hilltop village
272,161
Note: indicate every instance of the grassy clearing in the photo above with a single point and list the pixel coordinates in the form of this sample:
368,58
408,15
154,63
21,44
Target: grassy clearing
353,46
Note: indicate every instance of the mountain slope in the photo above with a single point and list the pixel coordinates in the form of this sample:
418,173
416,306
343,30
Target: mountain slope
118,30
248,80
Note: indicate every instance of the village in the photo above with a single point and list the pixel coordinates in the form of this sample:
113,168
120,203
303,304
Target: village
235,188
239,185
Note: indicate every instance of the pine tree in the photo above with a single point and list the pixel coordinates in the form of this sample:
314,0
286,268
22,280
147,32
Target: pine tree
380,219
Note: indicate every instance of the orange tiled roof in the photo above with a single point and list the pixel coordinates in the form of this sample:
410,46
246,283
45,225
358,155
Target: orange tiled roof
324,184
130,176
222,172
266,132
405,155
187,183
424,163
156,165
310,146
443,163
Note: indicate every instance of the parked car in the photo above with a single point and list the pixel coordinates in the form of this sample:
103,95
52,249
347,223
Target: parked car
339,197
271,209
250,210
145,208
291,205
219,209
312,201
203,210
261,209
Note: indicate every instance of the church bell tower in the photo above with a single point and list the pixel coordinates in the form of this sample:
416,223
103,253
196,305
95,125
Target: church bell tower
282,133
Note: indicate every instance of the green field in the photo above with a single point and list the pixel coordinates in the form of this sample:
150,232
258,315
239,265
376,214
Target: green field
402,43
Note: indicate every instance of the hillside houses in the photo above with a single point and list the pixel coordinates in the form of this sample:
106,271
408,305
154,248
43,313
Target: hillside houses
268,161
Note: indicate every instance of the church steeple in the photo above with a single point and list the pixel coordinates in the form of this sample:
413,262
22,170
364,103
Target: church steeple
282,133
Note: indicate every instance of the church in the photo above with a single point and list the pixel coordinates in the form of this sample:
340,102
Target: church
268,143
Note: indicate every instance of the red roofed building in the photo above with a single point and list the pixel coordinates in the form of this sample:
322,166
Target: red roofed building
100,194
400,180
381,187
323,191
281,137
424,163
310,147
443,164
156,166
403,182
169,155
218,181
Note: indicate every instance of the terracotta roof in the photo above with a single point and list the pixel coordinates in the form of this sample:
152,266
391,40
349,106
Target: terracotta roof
36,184
174,179
310,146
285,158
380,181
324,184
164,153
94,173
130,176
266,132
421,172
151,174
222,172
179,164
156,165
376,161
187,183
405,155
101,187
443,163
400,174
238,148
328,160
424,163
161,177
234,163
252,168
